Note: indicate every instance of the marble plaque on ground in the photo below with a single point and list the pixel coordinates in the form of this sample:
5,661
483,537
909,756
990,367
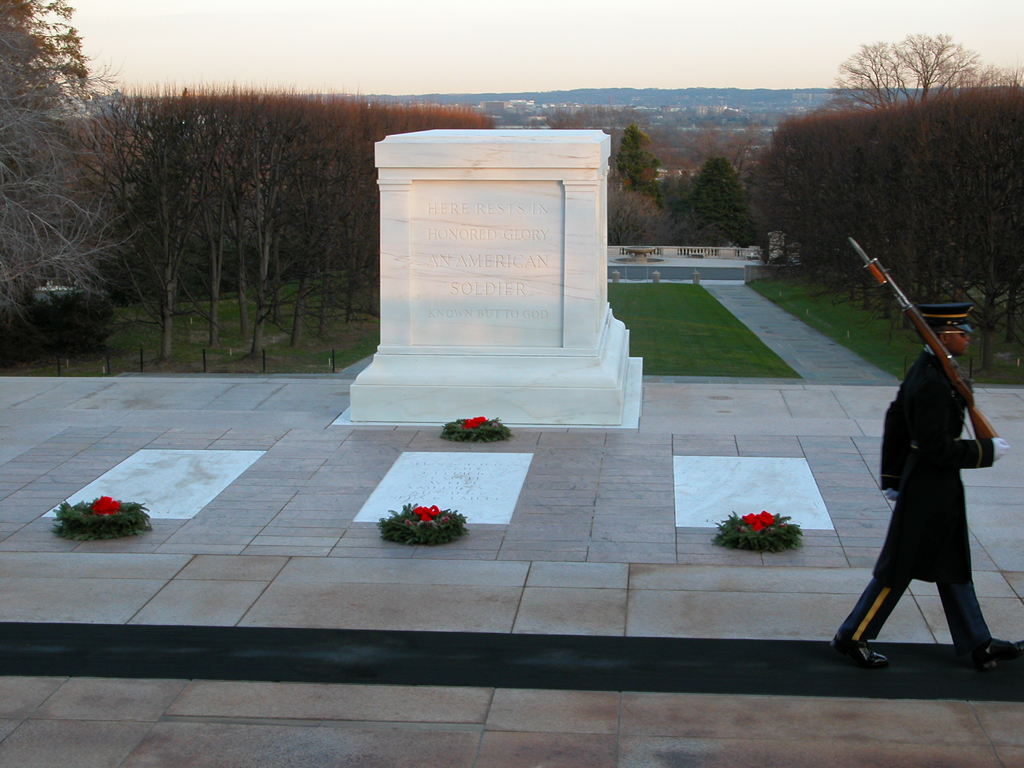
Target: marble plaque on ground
709,488
170,484
482,486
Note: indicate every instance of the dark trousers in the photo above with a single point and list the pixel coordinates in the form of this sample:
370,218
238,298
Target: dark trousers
963,614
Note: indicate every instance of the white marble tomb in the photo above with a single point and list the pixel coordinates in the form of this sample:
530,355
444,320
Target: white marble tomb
709,488
171,484
494,282
482,486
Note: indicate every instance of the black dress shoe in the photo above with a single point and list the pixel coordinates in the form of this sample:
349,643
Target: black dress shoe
858,651
986,655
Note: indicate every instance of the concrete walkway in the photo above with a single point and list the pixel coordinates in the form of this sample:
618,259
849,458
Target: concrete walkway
81,723
592,550
811,354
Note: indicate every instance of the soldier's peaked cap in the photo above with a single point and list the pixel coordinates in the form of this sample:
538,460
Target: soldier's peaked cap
944,315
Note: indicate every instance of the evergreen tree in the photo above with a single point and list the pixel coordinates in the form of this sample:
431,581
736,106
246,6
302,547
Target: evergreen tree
637,168
719,202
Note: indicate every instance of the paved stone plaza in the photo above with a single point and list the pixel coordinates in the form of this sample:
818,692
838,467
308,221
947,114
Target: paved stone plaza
592,549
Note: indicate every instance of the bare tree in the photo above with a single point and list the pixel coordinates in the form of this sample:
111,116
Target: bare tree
871,77
934,63
271,194
276,125
152,167
49,229
1004,77
212,227
738,145
937,188
883,74
632,216
590,117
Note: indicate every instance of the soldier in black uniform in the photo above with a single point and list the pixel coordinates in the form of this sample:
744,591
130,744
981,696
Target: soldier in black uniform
922,455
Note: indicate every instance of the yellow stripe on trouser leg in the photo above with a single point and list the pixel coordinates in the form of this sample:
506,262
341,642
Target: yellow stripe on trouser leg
871,614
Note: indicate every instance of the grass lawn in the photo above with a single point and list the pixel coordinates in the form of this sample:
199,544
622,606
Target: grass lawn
350,342
680,330
884,343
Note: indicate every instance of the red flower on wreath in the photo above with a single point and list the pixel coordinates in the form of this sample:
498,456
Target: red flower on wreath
105,505
757,522
474,423
427,513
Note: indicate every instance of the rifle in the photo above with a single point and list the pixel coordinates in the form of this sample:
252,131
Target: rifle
982,426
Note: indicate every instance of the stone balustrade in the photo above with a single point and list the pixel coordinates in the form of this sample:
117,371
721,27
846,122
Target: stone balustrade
699,252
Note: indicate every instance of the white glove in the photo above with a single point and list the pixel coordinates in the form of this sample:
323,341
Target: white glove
999,448
891,494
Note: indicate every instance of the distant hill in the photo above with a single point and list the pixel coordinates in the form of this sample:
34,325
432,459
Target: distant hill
746,99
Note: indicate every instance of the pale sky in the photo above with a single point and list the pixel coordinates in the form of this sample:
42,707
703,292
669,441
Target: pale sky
471,46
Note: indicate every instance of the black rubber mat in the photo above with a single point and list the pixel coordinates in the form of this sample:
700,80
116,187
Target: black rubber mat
566,662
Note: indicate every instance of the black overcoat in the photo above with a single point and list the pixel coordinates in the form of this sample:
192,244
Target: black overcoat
922,455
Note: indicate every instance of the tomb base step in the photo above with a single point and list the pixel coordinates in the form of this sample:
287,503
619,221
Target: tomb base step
410,403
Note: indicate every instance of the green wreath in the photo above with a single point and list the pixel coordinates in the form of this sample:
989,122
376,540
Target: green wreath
478,430
422,525
102,518
761,533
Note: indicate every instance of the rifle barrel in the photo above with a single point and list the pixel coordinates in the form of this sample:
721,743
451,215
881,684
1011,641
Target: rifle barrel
982,426
870,264
859,250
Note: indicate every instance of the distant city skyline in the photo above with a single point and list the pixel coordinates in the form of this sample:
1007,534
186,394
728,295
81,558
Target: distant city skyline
403,47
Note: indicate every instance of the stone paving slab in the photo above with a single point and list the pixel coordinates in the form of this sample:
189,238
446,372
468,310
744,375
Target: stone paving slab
88,601
606,503
572,611
86,565
134,723
713,600
84,744
778,616
794,753
201,603
110,699
842,720
278,548
415,606
229,745
370,703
